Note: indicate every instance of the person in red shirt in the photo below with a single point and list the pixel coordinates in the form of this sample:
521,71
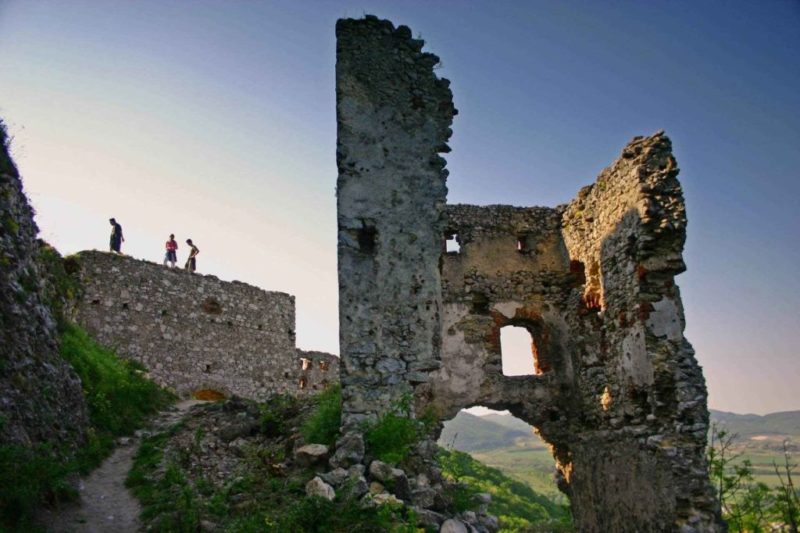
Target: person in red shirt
171,255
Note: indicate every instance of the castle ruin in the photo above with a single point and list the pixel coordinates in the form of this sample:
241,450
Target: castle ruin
197,333
617,391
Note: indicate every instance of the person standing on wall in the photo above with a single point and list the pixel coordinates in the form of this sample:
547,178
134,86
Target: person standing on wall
115,243
171,256
191,263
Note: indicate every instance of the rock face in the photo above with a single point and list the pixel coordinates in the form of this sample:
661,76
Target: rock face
197,332
616,389
393,119
40,395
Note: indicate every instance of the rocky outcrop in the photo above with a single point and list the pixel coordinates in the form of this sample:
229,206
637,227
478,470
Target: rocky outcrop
40,395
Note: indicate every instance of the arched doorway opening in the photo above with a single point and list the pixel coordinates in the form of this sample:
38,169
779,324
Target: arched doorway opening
498,441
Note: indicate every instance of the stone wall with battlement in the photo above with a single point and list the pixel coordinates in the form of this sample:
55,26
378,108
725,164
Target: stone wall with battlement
196,332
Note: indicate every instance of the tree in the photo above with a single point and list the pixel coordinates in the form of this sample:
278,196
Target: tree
787,506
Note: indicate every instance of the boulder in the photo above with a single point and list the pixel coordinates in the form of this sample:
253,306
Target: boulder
311,454
317,487
335,477
453,525
383,498
349,451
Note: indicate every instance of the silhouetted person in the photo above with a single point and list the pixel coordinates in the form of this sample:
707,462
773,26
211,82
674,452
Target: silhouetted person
115,243
172,252
191,263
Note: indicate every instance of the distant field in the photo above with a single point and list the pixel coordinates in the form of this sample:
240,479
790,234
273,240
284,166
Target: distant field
508,444
533,466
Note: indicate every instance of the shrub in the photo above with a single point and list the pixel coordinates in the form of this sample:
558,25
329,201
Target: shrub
322,427
275,414
29,475
118,397
391,438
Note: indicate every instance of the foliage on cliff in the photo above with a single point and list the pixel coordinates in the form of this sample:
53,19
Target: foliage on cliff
119,399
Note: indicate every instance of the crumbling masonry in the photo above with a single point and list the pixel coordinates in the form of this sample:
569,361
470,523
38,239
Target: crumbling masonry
617,391
197,333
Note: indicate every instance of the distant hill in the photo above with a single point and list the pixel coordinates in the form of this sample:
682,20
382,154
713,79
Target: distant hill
783,423
469,433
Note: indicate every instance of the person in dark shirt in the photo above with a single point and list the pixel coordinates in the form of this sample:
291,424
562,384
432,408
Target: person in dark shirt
191,263
115,243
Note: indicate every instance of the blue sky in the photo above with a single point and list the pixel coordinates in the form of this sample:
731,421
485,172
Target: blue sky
216,121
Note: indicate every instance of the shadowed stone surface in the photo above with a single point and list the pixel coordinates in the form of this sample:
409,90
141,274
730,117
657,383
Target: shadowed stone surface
40,395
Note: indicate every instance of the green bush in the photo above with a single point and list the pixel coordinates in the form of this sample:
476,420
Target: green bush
318,515
29,475
391,438
276,413
118,397
322,427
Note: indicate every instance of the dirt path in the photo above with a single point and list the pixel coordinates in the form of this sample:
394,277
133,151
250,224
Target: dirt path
106,505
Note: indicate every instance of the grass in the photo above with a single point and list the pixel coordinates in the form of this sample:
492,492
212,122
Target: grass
533,466
177,498
391,438
322,427
518,507
119,400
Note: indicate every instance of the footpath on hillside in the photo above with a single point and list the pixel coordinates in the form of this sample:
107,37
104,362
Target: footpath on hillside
105,504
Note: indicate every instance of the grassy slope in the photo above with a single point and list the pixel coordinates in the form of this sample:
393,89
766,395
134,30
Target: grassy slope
119,400
515,503
506,443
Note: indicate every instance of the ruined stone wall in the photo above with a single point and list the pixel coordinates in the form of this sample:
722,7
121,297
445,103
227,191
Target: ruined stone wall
616,391
40,395
393,119
512,269
641,393
318,370
193,332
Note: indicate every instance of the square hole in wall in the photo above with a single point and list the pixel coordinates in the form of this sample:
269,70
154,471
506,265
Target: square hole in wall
452,245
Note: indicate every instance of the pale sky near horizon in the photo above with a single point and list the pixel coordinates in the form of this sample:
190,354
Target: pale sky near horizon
216,121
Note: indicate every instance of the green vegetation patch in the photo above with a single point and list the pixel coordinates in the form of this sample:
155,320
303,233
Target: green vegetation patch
392,437
265,490
119,400
322,427
517,506
118,396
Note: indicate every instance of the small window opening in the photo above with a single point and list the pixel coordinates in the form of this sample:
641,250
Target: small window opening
305,364
95,302
207,368
452,244
125,305
525,244
367,239
324,365
480,303
303,382
518,351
